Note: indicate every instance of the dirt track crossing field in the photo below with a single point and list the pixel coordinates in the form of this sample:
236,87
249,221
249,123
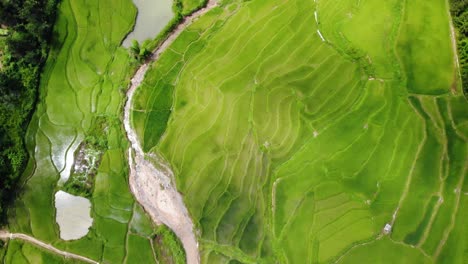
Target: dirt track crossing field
5,235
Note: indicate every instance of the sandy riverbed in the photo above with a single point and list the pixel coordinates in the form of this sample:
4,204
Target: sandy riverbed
151,186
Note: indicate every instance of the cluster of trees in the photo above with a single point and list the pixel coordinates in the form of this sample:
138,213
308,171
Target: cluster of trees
459,10
25,49
96,142
140,52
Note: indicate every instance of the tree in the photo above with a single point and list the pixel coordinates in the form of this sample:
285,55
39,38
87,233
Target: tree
25,49
135,49
140,52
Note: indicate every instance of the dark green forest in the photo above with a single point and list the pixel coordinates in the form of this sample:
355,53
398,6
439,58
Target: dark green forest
459,10
24,49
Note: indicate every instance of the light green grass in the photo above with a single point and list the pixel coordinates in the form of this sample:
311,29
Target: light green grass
189,6
291,149
376,37
378,252
427,61
139,250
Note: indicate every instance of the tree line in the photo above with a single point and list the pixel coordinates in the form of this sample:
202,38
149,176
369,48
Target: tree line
25,47
459,10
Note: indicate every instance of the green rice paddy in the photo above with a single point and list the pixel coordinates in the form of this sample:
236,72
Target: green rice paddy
298,129
21,252
84,79
189,6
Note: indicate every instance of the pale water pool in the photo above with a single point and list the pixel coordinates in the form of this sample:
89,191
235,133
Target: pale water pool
73,215
153,16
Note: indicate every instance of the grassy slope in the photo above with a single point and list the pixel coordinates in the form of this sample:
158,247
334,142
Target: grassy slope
285,148
84,77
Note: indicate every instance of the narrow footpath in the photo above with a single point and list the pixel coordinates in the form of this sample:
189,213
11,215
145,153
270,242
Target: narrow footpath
152,186
4,235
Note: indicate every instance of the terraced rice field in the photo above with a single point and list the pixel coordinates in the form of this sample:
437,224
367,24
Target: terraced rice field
21,252
298,129
84,78
189,6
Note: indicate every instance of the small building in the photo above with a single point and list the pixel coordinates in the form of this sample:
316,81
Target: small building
387,229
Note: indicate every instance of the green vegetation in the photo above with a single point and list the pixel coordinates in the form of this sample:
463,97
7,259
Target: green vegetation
181,9
82,92
296,136
140,52
296,131
177,8
22,252
23,48
167,247
377,252
459,10
190,6
2,250
424,74
87,157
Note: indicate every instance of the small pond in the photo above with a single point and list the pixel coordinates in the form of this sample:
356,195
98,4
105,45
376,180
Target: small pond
153,16
73,215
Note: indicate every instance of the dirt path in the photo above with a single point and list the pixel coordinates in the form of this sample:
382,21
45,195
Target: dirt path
453,39
151,186
411,172
7,235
